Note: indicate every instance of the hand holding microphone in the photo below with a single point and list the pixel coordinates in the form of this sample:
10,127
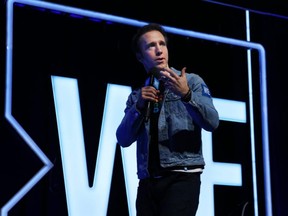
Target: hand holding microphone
153,89
149,94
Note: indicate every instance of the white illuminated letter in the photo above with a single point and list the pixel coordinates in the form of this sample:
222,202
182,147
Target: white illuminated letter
81,199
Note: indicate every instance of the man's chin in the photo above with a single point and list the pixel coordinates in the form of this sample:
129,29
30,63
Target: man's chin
161,66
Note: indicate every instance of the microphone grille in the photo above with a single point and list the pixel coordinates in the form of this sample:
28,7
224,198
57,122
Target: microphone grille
155,72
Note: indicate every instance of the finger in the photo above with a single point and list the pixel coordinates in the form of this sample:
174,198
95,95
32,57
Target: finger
183,72
165,73
171,73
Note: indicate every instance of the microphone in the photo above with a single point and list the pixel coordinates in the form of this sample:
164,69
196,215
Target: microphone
150,83
155,72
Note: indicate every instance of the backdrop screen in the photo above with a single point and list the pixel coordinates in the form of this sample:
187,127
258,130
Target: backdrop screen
68,77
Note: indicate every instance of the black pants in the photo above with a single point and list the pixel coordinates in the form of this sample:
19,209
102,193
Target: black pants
175,194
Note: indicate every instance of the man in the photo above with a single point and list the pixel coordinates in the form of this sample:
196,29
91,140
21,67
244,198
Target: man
166,117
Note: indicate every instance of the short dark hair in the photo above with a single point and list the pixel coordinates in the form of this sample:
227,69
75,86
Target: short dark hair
144,29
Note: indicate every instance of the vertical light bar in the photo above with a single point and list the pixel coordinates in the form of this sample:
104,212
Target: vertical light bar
252,138
265,135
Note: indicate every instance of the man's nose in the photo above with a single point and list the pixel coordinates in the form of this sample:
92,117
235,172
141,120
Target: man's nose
159,50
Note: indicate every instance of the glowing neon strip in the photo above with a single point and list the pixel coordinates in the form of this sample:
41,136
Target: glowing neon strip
37,177
91,14
228,108
252,138
248,9
264,113
21,131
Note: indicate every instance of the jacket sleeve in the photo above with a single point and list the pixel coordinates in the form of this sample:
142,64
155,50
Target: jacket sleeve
201,106
132,122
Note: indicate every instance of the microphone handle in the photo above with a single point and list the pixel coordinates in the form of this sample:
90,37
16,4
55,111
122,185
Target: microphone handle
149,104
148,111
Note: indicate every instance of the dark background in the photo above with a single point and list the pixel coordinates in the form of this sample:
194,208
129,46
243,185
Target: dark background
268,26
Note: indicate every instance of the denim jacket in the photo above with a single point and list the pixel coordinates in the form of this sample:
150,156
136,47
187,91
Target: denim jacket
179,127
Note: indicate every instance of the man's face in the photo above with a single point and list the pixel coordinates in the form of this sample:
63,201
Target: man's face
153,50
